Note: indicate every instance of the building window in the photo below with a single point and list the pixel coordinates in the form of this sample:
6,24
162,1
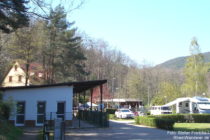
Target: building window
10,78
20,78
20,113
41,110
16,67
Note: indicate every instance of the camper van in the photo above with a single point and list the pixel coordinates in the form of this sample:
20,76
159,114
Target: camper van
196,104
158,110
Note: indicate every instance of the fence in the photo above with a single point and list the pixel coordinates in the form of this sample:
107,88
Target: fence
49,124
100,119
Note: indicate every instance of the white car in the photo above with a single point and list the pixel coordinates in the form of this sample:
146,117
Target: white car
124,113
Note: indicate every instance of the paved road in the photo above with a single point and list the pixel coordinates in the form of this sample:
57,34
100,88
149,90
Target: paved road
119,130
30,133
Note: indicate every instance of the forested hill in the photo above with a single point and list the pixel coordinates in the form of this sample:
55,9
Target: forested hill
179,62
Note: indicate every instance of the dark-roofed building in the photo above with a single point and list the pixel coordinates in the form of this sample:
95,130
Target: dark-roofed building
34,103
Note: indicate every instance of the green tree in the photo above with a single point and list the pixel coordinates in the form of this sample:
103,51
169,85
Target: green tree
195,72
168,91
13,15
63,54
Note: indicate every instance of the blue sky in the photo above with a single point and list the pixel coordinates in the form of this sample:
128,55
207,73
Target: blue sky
151,30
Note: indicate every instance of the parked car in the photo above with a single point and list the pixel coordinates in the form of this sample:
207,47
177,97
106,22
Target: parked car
124,113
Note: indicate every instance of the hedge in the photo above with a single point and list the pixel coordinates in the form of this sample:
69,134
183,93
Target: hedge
155,122
167,121
184,118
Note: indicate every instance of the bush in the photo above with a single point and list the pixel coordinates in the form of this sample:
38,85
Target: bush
155,122
9,131
5,108
186,118
136,120
110,110
201,118
4,111
174,117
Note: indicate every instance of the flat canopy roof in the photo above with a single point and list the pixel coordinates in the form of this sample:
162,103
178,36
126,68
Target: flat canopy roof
77,86
122,100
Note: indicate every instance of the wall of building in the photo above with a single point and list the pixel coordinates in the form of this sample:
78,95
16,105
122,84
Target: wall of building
51,95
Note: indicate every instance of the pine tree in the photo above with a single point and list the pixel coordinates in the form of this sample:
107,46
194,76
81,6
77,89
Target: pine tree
63,54
13,15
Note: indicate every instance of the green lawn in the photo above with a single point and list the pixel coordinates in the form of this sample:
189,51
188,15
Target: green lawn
192,127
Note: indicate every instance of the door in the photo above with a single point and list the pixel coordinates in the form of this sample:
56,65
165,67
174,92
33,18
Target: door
61,110
20,113
41,109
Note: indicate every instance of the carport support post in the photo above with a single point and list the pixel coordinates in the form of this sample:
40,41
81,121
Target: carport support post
101,93
91,99
84,98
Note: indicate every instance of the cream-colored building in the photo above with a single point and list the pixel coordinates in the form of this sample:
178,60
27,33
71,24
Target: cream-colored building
15,77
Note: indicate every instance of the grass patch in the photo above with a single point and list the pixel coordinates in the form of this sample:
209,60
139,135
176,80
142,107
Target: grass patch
9,131
192,127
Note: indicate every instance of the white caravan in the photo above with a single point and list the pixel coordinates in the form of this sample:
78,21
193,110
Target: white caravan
196,104
158,110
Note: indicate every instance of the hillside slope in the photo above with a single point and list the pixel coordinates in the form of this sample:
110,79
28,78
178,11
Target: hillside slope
179,62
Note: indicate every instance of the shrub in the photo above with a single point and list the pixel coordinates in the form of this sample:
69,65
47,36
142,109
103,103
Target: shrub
155,122
110,110
9,131
201,118
137,120
174,117
186,118
4,111
5,108
167,121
